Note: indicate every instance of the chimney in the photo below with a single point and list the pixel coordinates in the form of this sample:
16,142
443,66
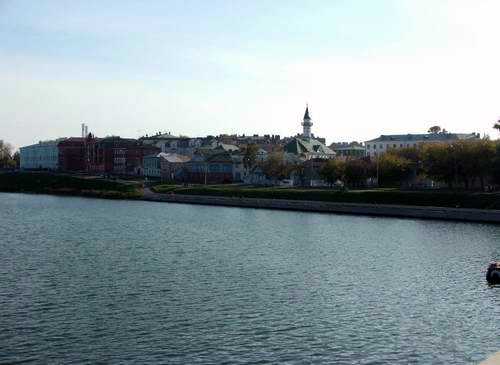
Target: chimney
86,131
83,130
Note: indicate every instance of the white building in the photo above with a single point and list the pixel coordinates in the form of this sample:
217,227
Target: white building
152,165
384,143
43,155
173,144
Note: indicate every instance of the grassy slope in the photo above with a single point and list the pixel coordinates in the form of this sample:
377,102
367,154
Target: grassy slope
43,182
376,196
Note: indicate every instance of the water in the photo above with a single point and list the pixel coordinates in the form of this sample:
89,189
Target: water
88,281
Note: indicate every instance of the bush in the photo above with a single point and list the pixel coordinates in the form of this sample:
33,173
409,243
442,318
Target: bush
164,188
45,182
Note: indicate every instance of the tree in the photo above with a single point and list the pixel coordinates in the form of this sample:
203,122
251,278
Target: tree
413,154
496,165
497,125
439,162
17,159
462,153
332,171
5,149
434,129
275,166
414,157
250,156
6,160
299,172
393,169
474,161
484,156
357,171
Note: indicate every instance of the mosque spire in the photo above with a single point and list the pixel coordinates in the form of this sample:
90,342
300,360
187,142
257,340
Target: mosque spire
306,114
307,124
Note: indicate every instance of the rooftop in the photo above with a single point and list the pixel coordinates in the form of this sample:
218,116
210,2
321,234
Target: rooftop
164,136
307,145
174,157
425,137
349,148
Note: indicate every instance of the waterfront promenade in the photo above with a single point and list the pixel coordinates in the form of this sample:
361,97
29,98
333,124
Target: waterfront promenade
473,207
406,211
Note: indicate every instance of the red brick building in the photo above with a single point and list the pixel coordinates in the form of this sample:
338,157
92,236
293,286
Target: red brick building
115,155
72,154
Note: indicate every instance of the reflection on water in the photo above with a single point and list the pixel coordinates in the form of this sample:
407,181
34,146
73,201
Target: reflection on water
137,282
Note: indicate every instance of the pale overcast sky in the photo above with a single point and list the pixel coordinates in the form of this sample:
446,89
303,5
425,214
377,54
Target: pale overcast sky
366,67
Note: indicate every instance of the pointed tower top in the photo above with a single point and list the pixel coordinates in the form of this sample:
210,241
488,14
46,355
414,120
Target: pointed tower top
306,114
307,124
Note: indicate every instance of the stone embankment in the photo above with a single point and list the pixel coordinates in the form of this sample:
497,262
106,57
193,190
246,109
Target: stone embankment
406,211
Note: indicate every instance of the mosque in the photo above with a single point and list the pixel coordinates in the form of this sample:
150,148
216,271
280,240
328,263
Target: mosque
305,145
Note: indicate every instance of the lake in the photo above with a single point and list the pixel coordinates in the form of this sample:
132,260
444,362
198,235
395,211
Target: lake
87,281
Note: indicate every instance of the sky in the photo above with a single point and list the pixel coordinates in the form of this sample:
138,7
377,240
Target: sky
203,67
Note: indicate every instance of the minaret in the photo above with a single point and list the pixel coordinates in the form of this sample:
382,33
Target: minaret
307,124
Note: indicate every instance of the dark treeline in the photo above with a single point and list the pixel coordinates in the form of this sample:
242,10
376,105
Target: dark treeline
462,164
8,158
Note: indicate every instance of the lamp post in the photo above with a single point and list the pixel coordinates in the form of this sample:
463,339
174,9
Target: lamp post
206,171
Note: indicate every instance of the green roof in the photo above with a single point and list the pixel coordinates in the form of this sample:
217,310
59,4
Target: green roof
300,146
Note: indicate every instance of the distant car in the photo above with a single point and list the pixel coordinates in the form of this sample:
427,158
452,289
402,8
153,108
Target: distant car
286,182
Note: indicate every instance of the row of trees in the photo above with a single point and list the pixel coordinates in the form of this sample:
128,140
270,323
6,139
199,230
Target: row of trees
462,164
465,164
8,158
353,173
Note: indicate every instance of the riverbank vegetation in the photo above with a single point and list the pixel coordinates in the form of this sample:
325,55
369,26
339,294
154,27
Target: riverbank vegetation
8,158
451,199
468,165
62,184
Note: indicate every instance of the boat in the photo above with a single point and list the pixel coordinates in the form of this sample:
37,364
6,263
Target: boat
493,273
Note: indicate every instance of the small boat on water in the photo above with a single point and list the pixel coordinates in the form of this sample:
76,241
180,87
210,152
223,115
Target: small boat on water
493,273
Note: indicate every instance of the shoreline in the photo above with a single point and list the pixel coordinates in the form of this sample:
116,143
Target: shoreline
382,210
446,205
378,210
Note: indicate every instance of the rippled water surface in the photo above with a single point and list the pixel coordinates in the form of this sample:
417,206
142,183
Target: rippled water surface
83,281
